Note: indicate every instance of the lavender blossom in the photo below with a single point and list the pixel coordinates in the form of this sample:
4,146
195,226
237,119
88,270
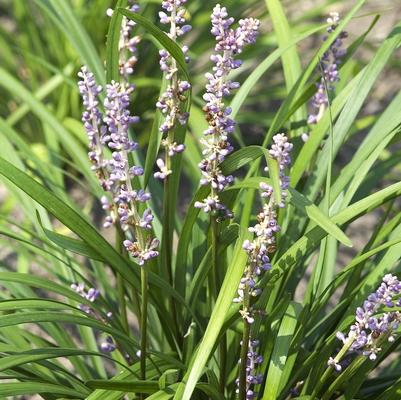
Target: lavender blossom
372,325
92,294
329,67
127,44
171,101
260,247
115,173
229,43
107,345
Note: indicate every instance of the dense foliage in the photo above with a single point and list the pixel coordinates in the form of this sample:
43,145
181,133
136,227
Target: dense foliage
198,201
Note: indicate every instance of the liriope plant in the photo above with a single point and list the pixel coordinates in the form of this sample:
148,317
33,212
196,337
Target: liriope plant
139,261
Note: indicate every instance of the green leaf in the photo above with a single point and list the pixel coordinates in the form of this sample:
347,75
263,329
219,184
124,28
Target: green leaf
135,387
31,356
71,244
113,38
34,388
168,378
61,13
290,60
71,145
281,350
223,303
315,235
70,218
153,149
317,216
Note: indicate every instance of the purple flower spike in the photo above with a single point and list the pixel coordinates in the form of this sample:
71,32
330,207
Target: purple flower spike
329,68
372,325
229,43
252,377
171,101
267,225
92,119
111,129
127,44
259,250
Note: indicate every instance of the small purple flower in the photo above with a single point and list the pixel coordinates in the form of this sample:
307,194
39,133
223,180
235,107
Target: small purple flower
229,43
136,171
334,364
107,345
164,171
147,218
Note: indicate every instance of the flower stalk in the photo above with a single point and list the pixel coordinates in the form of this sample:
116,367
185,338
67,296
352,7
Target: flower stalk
259,250
329,65
144,318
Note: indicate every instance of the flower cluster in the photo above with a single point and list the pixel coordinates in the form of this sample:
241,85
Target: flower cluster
107,346
329,68
372,326
252,377
229,43
266,227
171,101
127,44
263,244
115,174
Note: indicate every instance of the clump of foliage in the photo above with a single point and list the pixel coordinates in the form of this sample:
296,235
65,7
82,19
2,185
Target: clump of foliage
156,245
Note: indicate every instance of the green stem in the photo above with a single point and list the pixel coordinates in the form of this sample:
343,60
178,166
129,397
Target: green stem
120,281
215,276
167,248
144,317
329,370
166,224
215,289
122,303
244,348
223,363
